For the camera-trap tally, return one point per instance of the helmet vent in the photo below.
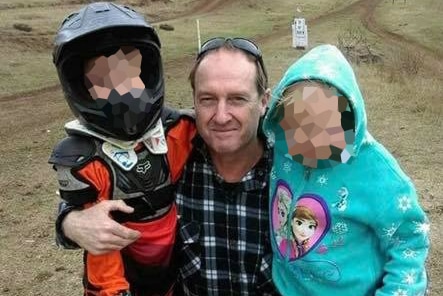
(69, 17)
(100, 7)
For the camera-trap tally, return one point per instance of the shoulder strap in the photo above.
(73, 151)
(171, 117)
(179, 138)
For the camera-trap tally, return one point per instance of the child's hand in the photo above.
(94, 230)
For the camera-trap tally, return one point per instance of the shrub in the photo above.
(402, 63)
(354, 44)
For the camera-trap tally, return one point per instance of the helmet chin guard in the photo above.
(101, 29)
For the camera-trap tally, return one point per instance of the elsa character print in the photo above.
(283, 203)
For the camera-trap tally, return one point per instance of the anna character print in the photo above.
(298, 226)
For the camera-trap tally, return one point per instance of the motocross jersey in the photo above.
(91, 168)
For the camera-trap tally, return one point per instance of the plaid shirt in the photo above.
(223, 236)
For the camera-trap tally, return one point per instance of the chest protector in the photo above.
(92, 167)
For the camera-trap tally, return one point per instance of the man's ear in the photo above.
(265, 101)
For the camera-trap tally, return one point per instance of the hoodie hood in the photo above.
(325, 64)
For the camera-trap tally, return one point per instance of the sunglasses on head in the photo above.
(240, 43)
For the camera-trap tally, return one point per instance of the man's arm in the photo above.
(94, 230)
(82, 180)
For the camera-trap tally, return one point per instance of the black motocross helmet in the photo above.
(102, 28)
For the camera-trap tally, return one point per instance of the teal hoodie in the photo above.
(371, 235)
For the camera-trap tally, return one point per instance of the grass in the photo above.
(404, 118)
(21, 58)
(416, 20)
(403, 113)
(26, 56)
(251, 19)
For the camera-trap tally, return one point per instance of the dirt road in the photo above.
(28, 265)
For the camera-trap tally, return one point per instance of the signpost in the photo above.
(299, 33)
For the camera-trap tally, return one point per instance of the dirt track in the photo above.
(38, 100)
(365, 10)
(203, 7)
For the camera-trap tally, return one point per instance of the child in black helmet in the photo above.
(109, 64)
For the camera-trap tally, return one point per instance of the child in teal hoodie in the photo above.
(344, 217)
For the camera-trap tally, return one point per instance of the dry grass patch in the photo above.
(415, 20)
(32, 124)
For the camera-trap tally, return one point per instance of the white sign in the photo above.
(299, 33)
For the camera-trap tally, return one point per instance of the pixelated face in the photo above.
(119, 71)
(303, 229)
(312, 121)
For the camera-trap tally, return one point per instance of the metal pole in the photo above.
(198, 34)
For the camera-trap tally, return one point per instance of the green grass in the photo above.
(30, 72)
(26, 69)
(26, 56)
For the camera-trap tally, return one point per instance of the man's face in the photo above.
(312, 121)
(227, 104)
(120, 71)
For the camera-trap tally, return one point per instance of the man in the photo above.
(222, 195)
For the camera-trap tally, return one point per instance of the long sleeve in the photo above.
(403, 229)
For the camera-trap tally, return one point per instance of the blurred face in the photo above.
(120, 71)
(227, 104)
(312, 121)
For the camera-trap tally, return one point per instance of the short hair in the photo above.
(261, 80)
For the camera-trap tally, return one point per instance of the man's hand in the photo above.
(94, 230)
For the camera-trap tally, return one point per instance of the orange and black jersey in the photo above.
(91, 169)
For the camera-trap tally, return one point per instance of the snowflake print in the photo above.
(322, 180)
(389, 232)
(409, 278)
(404, 203)
(422, 227)
(400, 292)
(287, 167)
(273, 174)
(340, 228)
(409, 254)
